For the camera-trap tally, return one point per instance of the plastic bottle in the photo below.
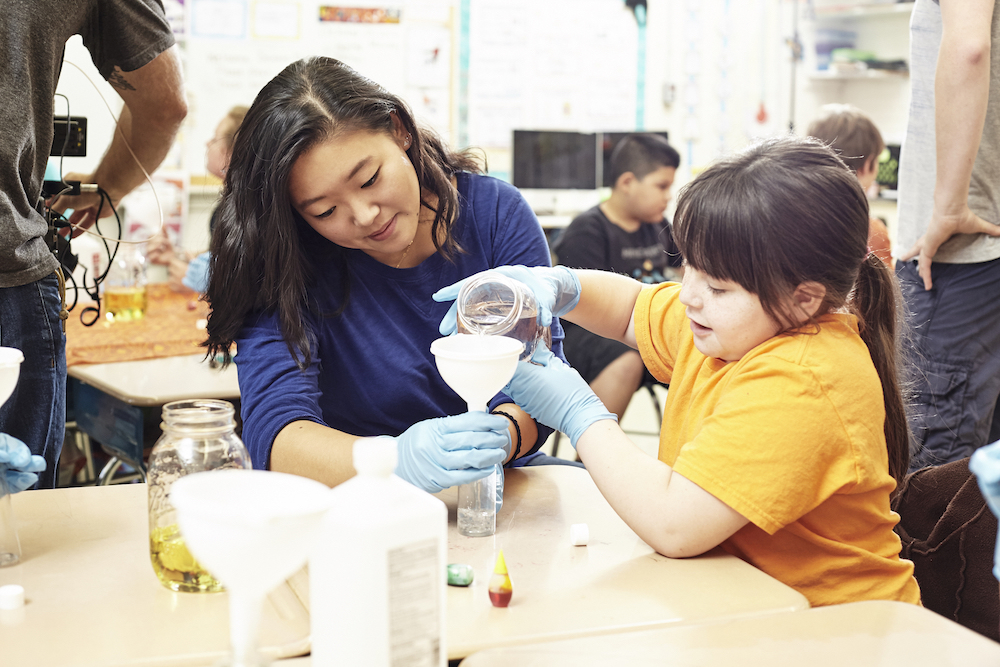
(377, 575)
(197, 435)
(124, 287)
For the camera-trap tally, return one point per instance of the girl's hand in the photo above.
(160, 250)
(553, 392)
(556, 289)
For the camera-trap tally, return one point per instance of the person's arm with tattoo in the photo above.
(154, 108)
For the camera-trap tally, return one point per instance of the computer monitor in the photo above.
(555, 160)
(888, 167)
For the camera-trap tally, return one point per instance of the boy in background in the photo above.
(854, 137)
(626, 234)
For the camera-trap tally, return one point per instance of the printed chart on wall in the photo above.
(234, 47)
(553, 65)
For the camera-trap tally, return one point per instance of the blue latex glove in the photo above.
(196, 277)
(553, 392)
(556, 289)
(985, 465)
(18, 463)
(436, 454)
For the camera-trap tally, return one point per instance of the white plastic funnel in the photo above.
(249, 528)
(476, 367)
(10, 369)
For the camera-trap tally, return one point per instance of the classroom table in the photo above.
(116, 403)
(615, 583)
(120, 373)
(875, 633)
(87, 578)
(92, 598)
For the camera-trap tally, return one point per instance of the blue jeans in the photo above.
(36, 411)
(955, 331)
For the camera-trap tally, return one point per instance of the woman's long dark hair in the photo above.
(789, 211)
(263, 253)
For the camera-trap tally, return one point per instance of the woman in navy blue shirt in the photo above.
(340, 218)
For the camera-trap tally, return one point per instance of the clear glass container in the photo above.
(125, 285)
(198, 435)
(493, 304)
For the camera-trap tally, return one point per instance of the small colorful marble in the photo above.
(460, 574)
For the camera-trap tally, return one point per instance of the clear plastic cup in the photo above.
(10, 545)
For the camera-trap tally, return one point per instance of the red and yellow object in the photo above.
(500, 588)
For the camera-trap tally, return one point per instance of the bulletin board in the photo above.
(474, 70)
(552, 65)
(232, 48)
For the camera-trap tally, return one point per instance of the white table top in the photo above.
(561, 591)
(92, 597)
(860, 634)
(158, 381)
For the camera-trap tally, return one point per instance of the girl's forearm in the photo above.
(669, 512)
(607, 301)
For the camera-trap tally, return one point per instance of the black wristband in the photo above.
(517, 450)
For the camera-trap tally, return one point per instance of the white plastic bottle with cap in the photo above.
(377, 578)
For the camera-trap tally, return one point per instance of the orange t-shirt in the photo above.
(791, 437)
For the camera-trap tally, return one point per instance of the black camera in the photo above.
(70, 137)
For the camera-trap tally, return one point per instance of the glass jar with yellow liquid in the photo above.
(198, 435)
(124, 287)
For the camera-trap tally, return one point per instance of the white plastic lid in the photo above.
(11, 596)
(11, 356)
(375, 456)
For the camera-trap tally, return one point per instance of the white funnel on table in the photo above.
(476, 367)
(251, 529)
(10, 369)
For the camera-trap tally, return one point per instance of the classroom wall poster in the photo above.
(219, 18)
(337, 14)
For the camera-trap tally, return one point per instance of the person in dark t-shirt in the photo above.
(132, 46)
(626, 234)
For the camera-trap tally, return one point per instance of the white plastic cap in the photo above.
(375, 456)
(11, 596)
(579, 534)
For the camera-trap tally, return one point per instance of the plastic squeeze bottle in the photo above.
(377, 575)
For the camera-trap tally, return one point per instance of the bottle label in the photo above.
(415, 572)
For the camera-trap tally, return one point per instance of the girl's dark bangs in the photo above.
(708, 232)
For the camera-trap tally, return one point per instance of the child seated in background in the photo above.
(784, 431)
(854, 137)
(187, 269)
(626, 234)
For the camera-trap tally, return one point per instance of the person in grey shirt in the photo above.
(949, 212)
(133, 47)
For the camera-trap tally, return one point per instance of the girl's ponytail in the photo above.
(878, 304)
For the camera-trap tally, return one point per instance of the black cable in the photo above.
(94, 293)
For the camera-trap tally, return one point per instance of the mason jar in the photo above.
(198, 435)
(494, 304)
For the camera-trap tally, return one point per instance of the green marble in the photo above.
(460, 574)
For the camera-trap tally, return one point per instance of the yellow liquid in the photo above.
(126, 304)
(174, 565)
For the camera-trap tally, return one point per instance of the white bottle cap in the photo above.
(11, 596)
(579, 534)
(375, 456)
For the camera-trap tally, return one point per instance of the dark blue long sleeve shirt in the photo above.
(372, 372)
